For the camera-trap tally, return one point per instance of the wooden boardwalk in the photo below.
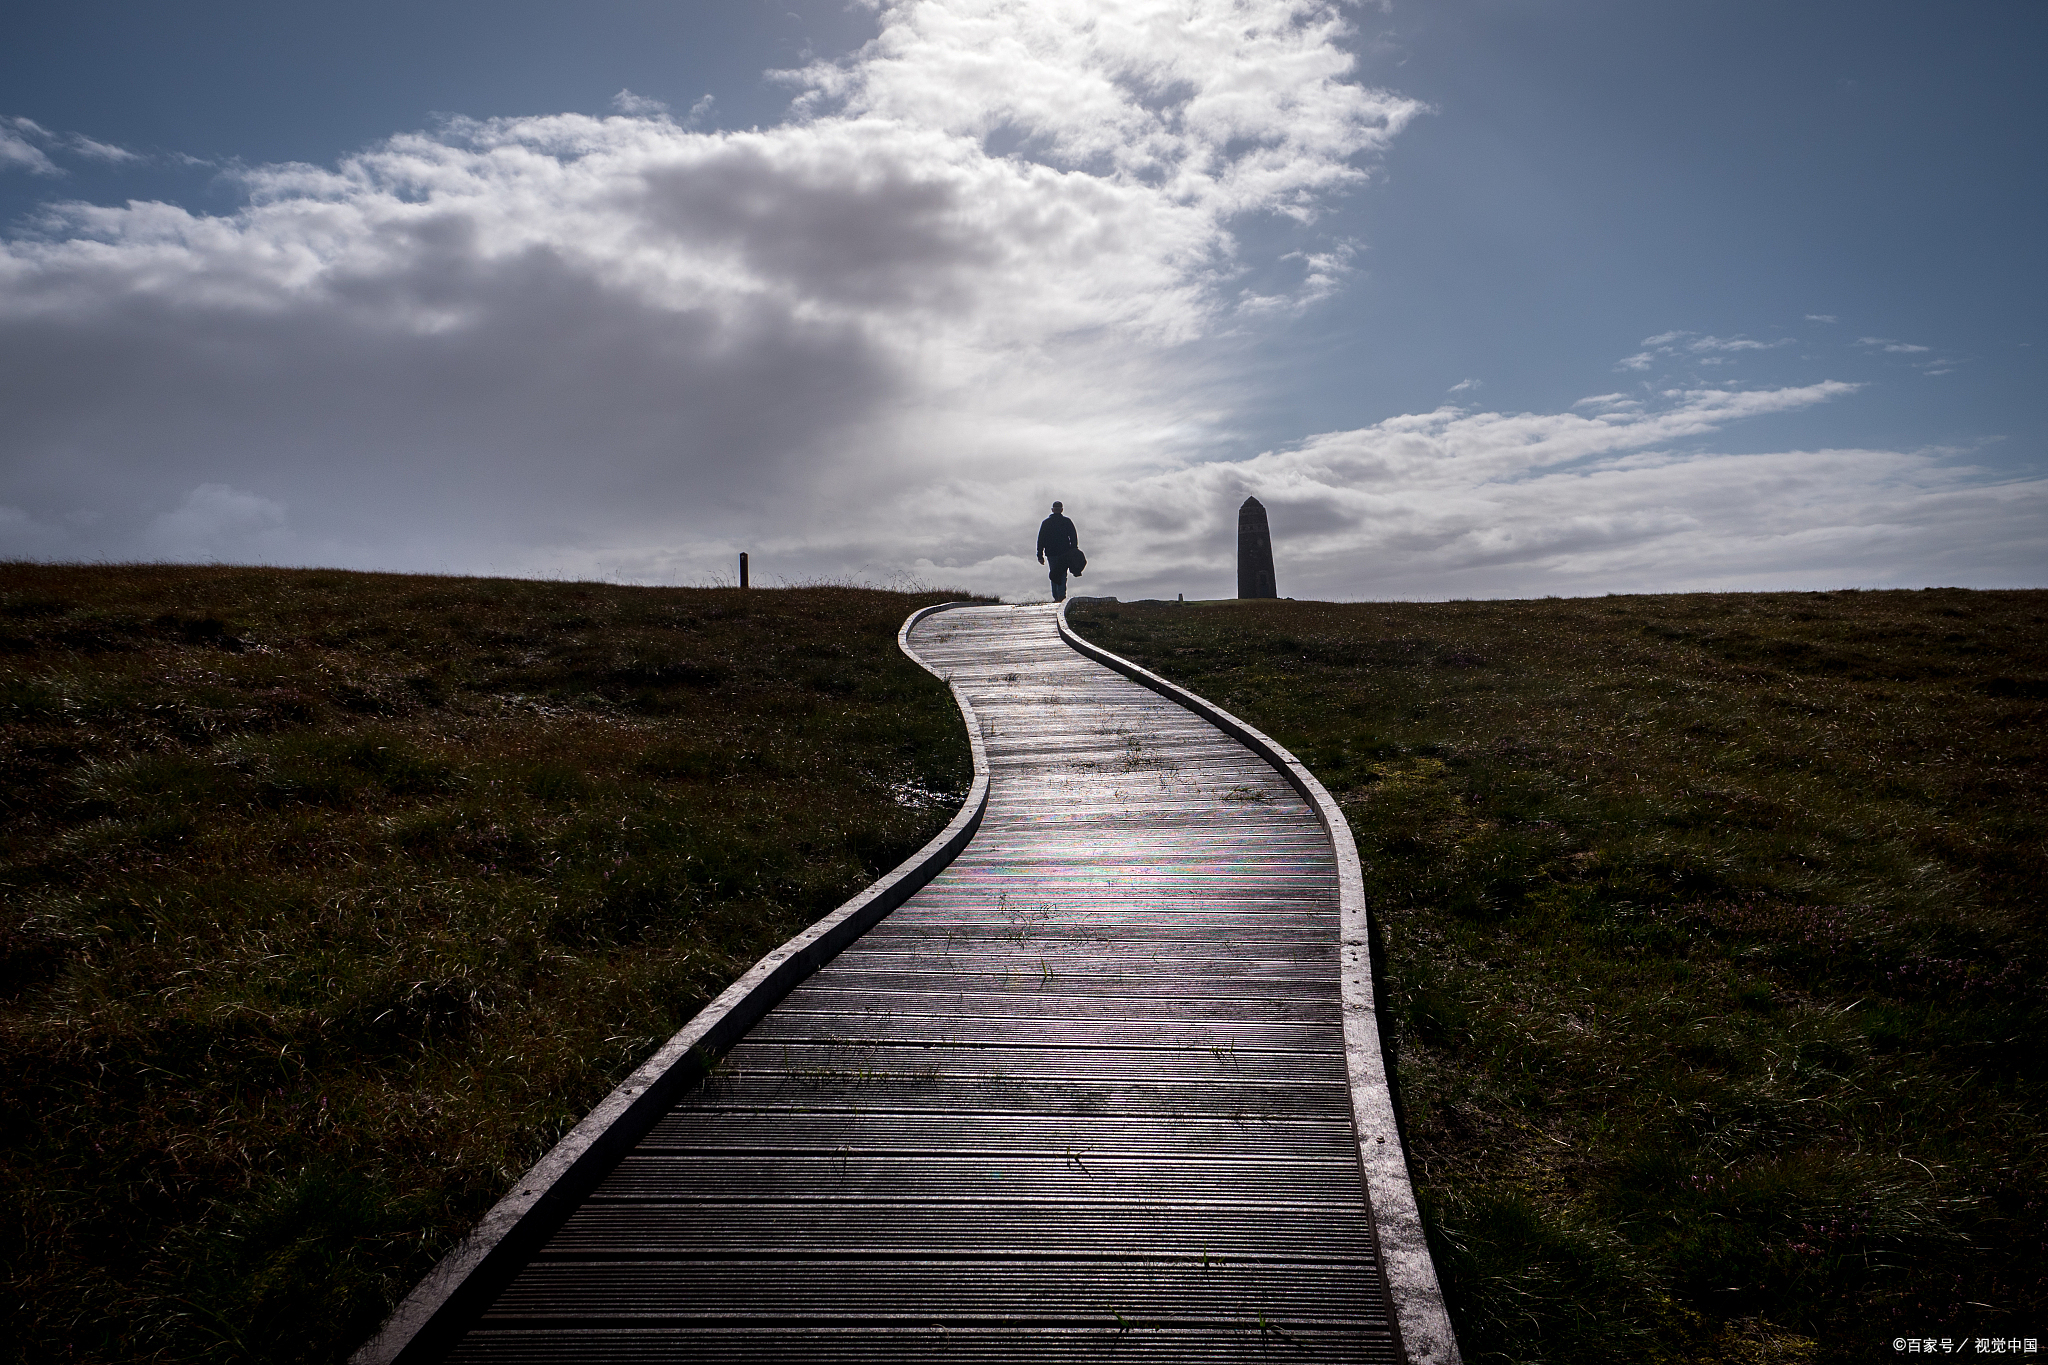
(1081, 1097)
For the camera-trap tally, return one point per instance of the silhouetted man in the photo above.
(1056, 540)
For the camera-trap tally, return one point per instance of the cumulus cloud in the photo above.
(619, 344)
(975, 270)
(1229, 106)
(1452, 503)
(639, 106)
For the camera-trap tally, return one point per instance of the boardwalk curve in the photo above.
(1093, 1090)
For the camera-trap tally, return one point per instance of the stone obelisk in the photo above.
(1254, 552)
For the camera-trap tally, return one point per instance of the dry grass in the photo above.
(1714, 944)
(332, 900)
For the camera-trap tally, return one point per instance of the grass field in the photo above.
(333, 900)
(1711, 926)
(1714, 946)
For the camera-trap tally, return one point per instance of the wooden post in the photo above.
(743, 568)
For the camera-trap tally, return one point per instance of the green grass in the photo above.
(333, 900)
(1713, 943)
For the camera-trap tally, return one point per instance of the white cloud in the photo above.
(1464, 386)
(1712, 343)
(1323, 273)
(1234, 107)
(1703, 349)
(975, 271)
(1490, 504)
(1891, 347)
(18, 152)
(22, 141)
(618, 344)
(639, 106)
(99, 151)
(1822, 317)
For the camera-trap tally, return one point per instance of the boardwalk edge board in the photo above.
(1422, 1326)
(432, 1317)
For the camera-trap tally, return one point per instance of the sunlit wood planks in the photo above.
(1082, 1095)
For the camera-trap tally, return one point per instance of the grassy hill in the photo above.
(1714, 942)
(1712, 926)
(332, 900)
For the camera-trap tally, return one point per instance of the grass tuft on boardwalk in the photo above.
(1714, 946)
(333, 900)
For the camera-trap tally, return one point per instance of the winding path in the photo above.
(1090, 1093)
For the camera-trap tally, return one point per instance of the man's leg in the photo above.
(1059, 582)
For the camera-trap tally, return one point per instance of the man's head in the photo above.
(1056, 508)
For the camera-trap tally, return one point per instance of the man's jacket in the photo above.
(1056, 539)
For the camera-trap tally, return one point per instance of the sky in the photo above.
(1481, 298)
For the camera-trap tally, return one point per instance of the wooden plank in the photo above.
(958, 999)
(997, 1231)
(1123, 1339)
(708, 1128)
(1095, 1067)
(849, 1291)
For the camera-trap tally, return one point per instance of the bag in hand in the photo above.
(1076, 561)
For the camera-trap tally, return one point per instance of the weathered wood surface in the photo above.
(1082, 1097)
